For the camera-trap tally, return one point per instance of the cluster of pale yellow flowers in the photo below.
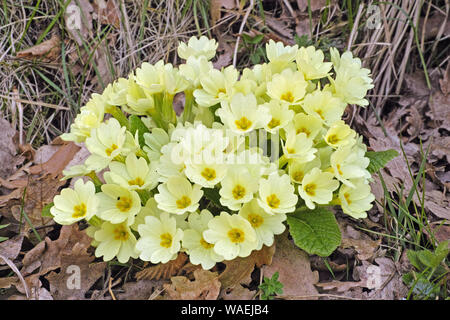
(197, 182)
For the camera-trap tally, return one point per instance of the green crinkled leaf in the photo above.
(315, 231)
(46, 210)
(136, 124)
(379, 159)
(213, 195)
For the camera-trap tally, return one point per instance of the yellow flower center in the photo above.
(236, 235)
(338, 167)
(320, 113)
(333, 139)
(166, 240)
(255, 220)
(120, 233)
(273, 201)
(273, 123)
(290, 150)
(243, 123)
(298, 176)
(219, 91)
(238, 192)
(287, 96)
(347, 198)
(136, 182)
(209, 174)
(183, 202)
(304, 130)
(206, 244)
(310, 189)
(79, 211)
(124, 204)
(111, 149)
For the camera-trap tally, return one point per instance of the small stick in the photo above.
(241, 29)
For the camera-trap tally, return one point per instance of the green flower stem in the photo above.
(95, 221)
(119, 116)
(94, 179)
(282, 161)
(168, 113)
(188, 103)
(158, 113)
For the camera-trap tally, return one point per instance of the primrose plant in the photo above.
(251, 153)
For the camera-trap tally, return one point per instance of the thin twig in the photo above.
(110, 290)
(36, 103)
(241, 29)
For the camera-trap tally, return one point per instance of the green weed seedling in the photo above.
(428, 280)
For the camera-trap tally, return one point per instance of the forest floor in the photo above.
(49, 70)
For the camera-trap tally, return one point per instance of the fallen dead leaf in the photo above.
(206, 286)
(216, 7)
(140, 290)
(66, 285)
(107, 12)
(237, 293)
(7, 149)
(239, 270)
(383, 280)
(11, 248)
(365, 248)
(78, 19)
(7, 282)
(314, 5)
(59, 160)
(46, 256)
(48, 50)
(445, 81)
(163, 270)
(340, 286)
(294, 269)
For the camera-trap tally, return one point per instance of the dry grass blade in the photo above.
(16, 271)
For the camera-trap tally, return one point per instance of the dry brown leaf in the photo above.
(237, 293)
(65, 285)
(78, 19)
(239, 270)
(11, 248)
(163, 270)
(216, 7)
(439, 109)
(315, 5)
(318, 263)
(48, 50)
(140, 290)
(103, 66)
(47, 254)
(366, 249)
(340, 286)
(294, 269)
(38, 193)
(59, 160)
(281, 27)
(7, 149)
(437, 202)
(206, 286)
(107, 11)
(440, 233)
(383, 280)
(7, 282)
(445, 81)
